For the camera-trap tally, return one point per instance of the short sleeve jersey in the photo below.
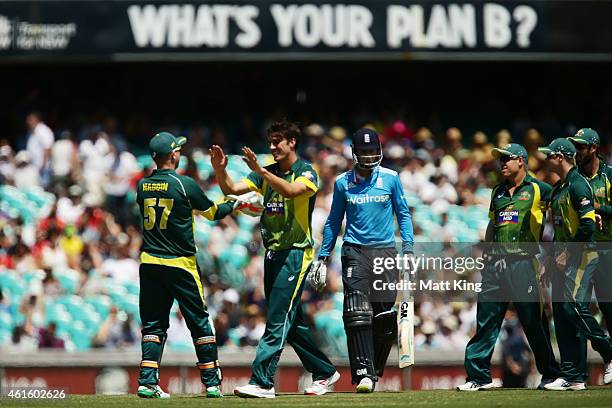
(571, 201)
(286, 222)
(167, 202)
(518, 218)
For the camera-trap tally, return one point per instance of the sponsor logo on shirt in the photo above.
(584, 201)
(508, 217)
(600, 192)
(275, 208)
(524, 196)
(367, 199)
(308, 174)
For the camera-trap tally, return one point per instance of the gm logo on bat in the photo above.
(403, 310)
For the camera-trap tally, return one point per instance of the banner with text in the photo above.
(258, 29)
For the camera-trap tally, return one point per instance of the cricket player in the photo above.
(168, 267)
(516, 217)
(288, 187)
(369, 195)
(599, 175)
(574, 222)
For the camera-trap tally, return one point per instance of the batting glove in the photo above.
(317, 276)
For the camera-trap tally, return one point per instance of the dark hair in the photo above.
(286, 129)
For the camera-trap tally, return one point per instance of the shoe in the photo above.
(474, 386)
(214, 392)
(608, 373)
(254, 391)
(366, 385)
(151, 391)
(562, 385)
(320, 387)
(544, 382)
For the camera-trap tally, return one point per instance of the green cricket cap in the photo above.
(585, 136)
(512, 150)
(559, 146)
(165, 143)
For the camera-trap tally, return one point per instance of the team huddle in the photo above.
(168, 202)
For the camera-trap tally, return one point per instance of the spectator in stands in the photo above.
(64, 160)
(47, 337)
(516, 357)
(117, 331)
(27, 175)
(70, 208)
(40, 141)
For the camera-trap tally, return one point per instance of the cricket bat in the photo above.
(405, 331)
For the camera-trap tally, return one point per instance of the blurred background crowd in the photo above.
(70, 231)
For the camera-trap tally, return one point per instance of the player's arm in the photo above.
(334, 221)
(489, 234)
(606, 210)
(404, 219)
(281, 186)
(581, 197)
(203, 205)
(218, 159)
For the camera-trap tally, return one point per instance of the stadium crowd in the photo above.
(70, 240)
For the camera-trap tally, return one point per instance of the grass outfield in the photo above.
(594, 397)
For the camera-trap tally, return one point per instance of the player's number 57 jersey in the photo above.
(167, 202)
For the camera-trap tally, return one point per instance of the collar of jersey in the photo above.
(294, 167)
(358, 179)
(163, 171)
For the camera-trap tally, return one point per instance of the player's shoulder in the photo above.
(341, 179)
(305, 169)
(541, 185)
(578, 184)
(497, 188)
(387, 171)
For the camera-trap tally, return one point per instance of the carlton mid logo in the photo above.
(366, 199)
(508, 217)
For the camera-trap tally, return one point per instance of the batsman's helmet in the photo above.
(367, 150)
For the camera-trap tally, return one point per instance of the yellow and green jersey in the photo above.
(167, 203)
(572, 201)
(285, 222)
(600, 183)
(518, 218)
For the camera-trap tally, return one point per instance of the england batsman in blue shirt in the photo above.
(369, 195)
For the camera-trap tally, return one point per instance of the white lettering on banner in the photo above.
(527, 18)
(184, 26)
(23, 35)
(448, 26)
(497, 32)
(334, 26)
(454, 26)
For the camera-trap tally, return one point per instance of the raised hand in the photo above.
(250, 158)
(218, 159)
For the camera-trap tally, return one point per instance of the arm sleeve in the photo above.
(254, 181)
(202, 204)
(491, 210)
(402, 212)
(606, 210)
(334, 221)
(310, 179)
(581, 197)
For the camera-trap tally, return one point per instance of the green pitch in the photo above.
(594, 397)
